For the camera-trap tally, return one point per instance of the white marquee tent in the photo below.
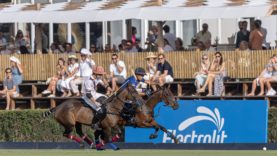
(155, 10)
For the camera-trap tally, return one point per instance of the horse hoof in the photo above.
(116, 149)
(153, 136)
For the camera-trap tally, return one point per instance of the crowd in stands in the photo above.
(253, 39)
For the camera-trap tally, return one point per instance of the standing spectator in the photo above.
(134, 32)
(264, 32)
(216, 73)
(242, 34)
(17, 71)
(10, 88)
(256, 37)
(71, 72)
(167, 47)
(179, 45)
(52, 82)
(86, 70)
(151, 66)
(164, 73)
(201, 76)
(171, 38)
(20, 39)
(204, 36)
(118, 72)
(244, 46)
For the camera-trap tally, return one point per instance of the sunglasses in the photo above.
(204, 58)
(217, 56)
(8, 72)
(83, 55)
(114, 58)
(161, 58)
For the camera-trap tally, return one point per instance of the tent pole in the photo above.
(104, 34)
(51, 34)
(219, 23)
(124, 29)
(69, 33)
(33, 33)
(87, 35)
(144, 31)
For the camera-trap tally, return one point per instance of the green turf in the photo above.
(134, 153)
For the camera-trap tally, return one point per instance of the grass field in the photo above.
(134, 153)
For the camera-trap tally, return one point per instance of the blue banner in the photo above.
(208, 121)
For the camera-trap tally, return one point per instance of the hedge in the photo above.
(30, 126)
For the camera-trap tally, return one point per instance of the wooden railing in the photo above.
(240, 64)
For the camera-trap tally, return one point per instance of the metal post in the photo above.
(51, 34)
(33, 33)
(124, 29)
(69, 35)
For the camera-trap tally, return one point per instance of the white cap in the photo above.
(84, 51)
(14, 59)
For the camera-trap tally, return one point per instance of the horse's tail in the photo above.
(49, 112)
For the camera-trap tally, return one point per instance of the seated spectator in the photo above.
(216, 74)
(55, 48)
(260, 80)
(17, 71)
(118, 72)
(164, 73)
(200, 45)
(243, 46)
(72, 72)
(68, 48)
(179, 44)
(10, 88)
(268, 81)
(93, 49)
(52, 82)
(151, 66)
(167, 47)
(131, 47)
(86, 67)
(20, 40)
(201, 76)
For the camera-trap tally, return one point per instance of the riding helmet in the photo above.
(139, 71)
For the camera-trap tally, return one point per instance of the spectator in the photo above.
(268, 81)
(93, 49)
(201, 46)
(244, 46)
(17, 71)
(208, 47)
(260, 80)
(167, 47)
(242, 34)
(68, 48)
(264, 32)
(151, 66)
(164, 73)
(201, 76)
(134, 32)
(256, 37)
(20, 40)
(10, 88)
(72, 72)
(118, 72)
(3, 40)
(86, 70)
(3, 48)
(52, 82)
(137, 45)
(131, 47)
(179, 44)
(204, 36)
(171, 38)
(216, 73)
(55, 48)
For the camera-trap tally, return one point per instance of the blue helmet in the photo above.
(139, 71)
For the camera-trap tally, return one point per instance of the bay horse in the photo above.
(73, 114)
(144, 118)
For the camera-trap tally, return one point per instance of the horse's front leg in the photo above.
(170, 134)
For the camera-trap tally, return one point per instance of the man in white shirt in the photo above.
(118, 72)
(171, 38)
(204, 35)
(86, 69)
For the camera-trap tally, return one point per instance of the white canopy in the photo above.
(69, 12)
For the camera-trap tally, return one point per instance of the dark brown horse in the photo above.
(73, 114)
(144, 118)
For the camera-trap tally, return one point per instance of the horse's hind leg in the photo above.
(79, 131)
(155, 135)
(67, 133)
(171, 135)
(108, 138)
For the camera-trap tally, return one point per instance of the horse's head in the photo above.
(168, 97)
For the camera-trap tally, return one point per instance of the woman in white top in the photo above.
(151, 66)
(201, 76)
(72, 72)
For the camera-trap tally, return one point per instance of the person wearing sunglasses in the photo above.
(201, 76)
(10, 88)
(164, 73)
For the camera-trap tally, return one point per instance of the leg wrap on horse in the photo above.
(115, 138)
(99, 145)
(72, 137)
(87, 140)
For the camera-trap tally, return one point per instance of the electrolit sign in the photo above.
(206, 121)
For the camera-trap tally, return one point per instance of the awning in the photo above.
(155, 10)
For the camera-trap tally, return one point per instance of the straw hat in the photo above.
(14, 59)
(84, 51)
(72, 57)
(99, 70)
(151, 55)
